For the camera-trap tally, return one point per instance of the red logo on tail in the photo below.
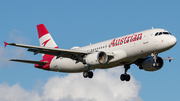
(45, 42)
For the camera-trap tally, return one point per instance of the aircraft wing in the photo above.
(73, 54)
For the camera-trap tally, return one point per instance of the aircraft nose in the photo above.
(172, 41)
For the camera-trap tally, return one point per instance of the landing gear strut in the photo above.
(88, 73)
(154, 55)
(125, 76)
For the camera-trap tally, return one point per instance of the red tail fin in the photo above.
(45, 39)
(42, 30)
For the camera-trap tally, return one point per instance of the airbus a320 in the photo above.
(139, 48)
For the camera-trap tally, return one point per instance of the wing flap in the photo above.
(29, 61)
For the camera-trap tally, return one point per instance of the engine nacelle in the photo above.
(96, 58)
(147, 64)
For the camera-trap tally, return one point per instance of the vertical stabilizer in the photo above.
(45, 38)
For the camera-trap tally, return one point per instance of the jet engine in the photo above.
(96, 58)
(147, 64)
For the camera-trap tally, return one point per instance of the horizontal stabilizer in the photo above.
(168, 59)
(29, 61)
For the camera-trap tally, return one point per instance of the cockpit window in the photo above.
(162, 33)
(156, 34)
(165, 33)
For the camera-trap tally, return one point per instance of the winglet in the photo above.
(5, 44)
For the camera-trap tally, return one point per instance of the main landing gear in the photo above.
(125, 76)
(88, 73)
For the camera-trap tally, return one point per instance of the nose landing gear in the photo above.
(154, 55)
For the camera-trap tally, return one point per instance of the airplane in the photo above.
(139, 48)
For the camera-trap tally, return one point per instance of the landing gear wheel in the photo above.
(85, 74)
(122, 77)
(126, 77)
(88, 74)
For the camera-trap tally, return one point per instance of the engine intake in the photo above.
(96, 58)
(147, 64)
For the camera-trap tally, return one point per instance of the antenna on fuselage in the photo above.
(152, 27)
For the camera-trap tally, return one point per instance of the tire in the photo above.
(85, 74)
(128, 77)
(90, 74)
(122, 77)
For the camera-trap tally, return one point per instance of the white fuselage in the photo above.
(125, 50)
